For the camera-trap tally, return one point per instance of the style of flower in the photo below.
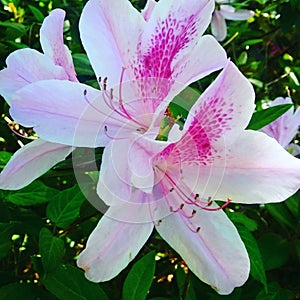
(173, 185)
(285, 128)
(141, 61)
(225, 11)
(24, 67)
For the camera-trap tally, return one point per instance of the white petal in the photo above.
(26, 66)
(218, 26)
(52, 42)
(30, 162)
(256, 169)
(110, 40)
(65, 112)
(216, 254)
(147, 11)
(110, 248)
(230, 13)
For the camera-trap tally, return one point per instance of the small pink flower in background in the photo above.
(225, 11)
(286, 127)
(24, 67)
(173, 185)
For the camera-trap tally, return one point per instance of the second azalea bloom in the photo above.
(172, 186)
(223, 12)
(285, 128)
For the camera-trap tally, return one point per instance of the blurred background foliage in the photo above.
(44, 226)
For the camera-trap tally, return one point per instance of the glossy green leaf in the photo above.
(37, 13)
(263, 117)
(5, 244)
(82, 64)
(33, 194)
(4, 158)
(274, 250)
(281, 214)
(65, 207)
(68, 282)
(52, 250)
(139, 279)
(237, 217)
(257, 269)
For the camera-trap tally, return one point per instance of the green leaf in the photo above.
(15, 29)
(275, 292)
(274, 250)
(4, 158)
(280, 213)
(237, 217)
(52, 250)
(68, 282)
(65, 207)
(37, 13)
(139, 279)
(263, 117)
(33, 194)
(28, 291)
(82, 65)
(257, 269)
(185, 286)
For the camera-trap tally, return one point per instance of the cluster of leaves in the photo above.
(44, 226)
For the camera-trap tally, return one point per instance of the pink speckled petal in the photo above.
(52, 41)
(216, 254)
(170, 34)
(30, 162)
(255, 169)
(26, 66)
(109, 31)
(223, 110)
(111, 247)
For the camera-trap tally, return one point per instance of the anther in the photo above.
(193, 212)
(171, 189)
(84, 92)
(196, 196)
(209, 201)
(198, 229)
(105, 83)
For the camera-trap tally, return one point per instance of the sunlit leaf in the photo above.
(65, 207)
(52, 250)
(263, 117)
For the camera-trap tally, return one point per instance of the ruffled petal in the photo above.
(210, 245)
(111, 246)
(26, 66)
(65, 112)
(30, 162)
(110, 40)
(52, 42)
(255, 169)
(218, 26)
